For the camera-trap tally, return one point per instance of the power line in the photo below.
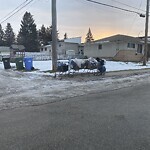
(13, 10)
(135, 18)
(129, 5)
(115, 7)
(11, 15)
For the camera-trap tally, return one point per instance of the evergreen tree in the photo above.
(9, 36)
(49, 33)
(28, 33)
(42, 35)
(45, 35)
(89, 36)
(1, 36)
(65, 36)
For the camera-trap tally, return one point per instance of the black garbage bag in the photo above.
(61, 67)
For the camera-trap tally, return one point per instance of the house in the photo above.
(117, 47)
(46, 49)
(148, 44)
(63, 46)
(4, 51)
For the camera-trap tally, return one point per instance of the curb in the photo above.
(112, 74)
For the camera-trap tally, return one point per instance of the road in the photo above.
(112, 120)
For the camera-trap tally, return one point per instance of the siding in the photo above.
(108, 50)
(128, 55)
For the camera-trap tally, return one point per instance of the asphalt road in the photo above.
(114, 120)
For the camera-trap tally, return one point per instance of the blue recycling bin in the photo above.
(28, 63)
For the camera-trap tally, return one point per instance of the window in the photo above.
(139, 49)
(131, 45)
(45, 48)
(100, 46)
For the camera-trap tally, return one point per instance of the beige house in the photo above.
(117, 47)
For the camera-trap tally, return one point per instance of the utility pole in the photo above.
(54, 36)
(146, 34)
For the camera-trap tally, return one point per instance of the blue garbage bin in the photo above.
(28, 63)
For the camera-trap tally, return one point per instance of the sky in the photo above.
(75, 17)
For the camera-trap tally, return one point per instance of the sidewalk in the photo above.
(128, 72)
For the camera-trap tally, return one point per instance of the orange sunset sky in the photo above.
(74, 17)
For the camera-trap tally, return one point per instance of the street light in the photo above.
(142, 15)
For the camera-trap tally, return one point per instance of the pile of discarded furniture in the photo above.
(91, 65)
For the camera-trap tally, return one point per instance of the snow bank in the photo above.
(19, 89)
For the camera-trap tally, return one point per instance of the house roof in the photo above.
(119, 37)
(17, 47)
(73, 40)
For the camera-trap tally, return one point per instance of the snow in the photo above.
(22, 88)
(117, 66)
(110, 65)
(42, 66)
